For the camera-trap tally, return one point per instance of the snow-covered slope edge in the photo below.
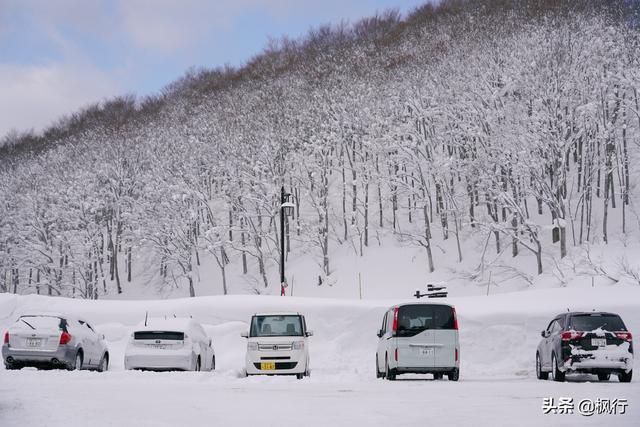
(498, 333)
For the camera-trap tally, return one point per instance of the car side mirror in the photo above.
(543, 334)
(380, 333)
(309, 333)
(244, 334)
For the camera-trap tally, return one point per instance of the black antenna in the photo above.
(146, 314)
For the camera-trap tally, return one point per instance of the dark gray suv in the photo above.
(585, 342)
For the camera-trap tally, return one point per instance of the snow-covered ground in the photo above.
(498, 335)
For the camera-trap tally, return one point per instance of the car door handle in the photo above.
(424, 345)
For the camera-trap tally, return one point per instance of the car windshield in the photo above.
(589, 322)
(274, 326)
(41, 322)
(415, 318)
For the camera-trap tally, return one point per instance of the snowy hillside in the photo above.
(487, 144)
(498, 338)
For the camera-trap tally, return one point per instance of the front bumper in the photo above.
(286, 362)
(64, 356)
(169, 360)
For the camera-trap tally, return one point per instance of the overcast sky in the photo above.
(59, 55)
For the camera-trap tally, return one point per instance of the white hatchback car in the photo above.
(170, 344)
(419, 338)
(277, 344)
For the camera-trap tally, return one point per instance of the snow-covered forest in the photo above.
(505, 134)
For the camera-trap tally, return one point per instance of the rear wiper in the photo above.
(28, 324)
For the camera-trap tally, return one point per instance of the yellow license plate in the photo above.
(267, 366)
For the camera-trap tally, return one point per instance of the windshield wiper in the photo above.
(28, 324)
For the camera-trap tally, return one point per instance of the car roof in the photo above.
(177, 324)
(592, 312)
(278, 313)
(422, 303)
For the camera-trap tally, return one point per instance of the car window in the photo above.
(389, 320)
(555, 327)
(273, 326)
(158, 335)
(43, 322)
(383, 328)
(550, 326)
(415, 318)
(591, 321)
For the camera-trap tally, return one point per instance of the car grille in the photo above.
(275, 358)
(280, 365)
(275, 347)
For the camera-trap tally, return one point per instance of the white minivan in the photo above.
(420, 338)
(277, 344)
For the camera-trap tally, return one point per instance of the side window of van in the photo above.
(383, 328)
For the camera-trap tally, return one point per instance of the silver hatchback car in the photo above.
(54, 341)
(419, 338)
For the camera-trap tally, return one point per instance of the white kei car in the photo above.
(170, 344)
(277, 344)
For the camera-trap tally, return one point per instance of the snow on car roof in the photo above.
(168, 323)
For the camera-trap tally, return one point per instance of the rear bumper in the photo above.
(183, 360)
(424, 370)
(62, 357)
(598, 366)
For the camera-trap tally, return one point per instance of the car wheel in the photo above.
(557, 374)
(389, 374)
(378, 373)
(625, 377)
(12, 367)
(454, 375)
(437, 376)
(539, 374)
(213, 363)
(300, 375)
(77, 362)
(197, 369)
(104, 363)
(604, 377)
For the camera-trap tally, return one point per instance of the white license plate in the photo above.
(34, 342)
(598, 342)
(426, 351)
(158, 346)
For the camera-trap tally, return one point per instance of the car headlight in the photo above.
(298, 345)
(252, 346)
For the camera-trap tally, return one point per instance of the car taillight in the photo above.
(65, 338)
(6, 337)
(622, 335)
(571, 335)
(395, 319)
(455, 319)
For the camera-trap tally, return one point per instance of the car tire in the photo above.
(389, 374)
(438, 375)
(625, 377)
(213, 363)
(300, 375)
(198, 364)
(604, 377)
(378, 373)
(104, 363)
(12, 367)
(557, 374)
(77, 362)
(454, 375)
(539, 373)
